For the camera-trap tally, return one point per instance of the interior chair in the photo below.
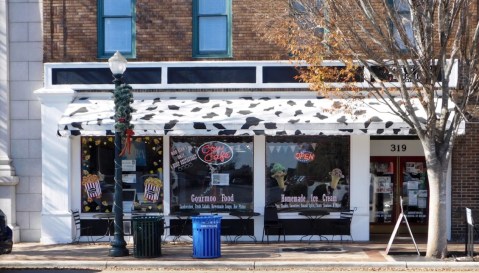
(79, 229)
(272, 223)
(342, 226)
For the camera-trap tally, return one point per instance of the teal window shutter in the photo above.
(116, 28)
(212, 28)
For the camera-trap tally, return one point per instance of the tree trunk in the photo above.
(437, 228)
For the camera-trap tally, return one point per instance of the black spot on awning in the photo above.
(270, 125)
(389, 124)
(173, 107)
(251, 121)
(269, 109)
(170, 124)
(253, 105)
(227, 133)
(244, 112)
(210, 115)
(342, 120)
(320, 116)
(380, 131)
(259, 132)
(291, 103)
(364, 130)
(309, 104)
(396, 131)
(151, 108)
(346, 130)
(79, 110)
(298, 133)
(147, 117)
(199, 125)
(247, 98)
(298, 112)
(196, 109)
(359, 112)
(293, 121)
(228, 112)
(75, 132)
(278, 113)
(77, 125)
(219, 126)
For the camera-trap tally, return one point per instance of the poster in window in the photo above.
(220, 179)
(306, 172)
(384, 184)
(211, 173)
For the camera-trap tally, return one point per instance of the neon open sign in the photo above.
(304, 156)
(215, 152)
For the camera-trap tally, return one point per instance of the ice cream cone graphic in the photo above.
(336, 175)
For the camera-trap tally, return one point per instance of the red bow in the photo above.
(129, 133)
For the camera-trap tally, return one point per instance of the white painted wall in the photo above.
(56, 221)
(360, 153)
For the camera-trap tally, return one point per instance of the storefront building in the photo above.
(217, 130)
(226, 151)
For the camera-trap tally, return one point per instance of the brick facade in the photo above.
(465, 176)
(163, 34)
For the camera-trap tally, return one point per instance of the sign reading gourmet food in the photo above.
(215, 153)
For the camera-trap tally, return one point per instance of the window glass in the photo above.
(211, 174)
(116, 27)
(213, 34)
(307, 172)
(142, 174)
(117, 7)
(117, 35)
(212, 28)
(404, 13)
(212, 7)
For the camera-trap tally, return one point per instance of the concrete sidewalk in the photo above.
(240, 256)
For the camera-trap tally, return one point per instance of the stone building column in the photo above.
(8, 180)
(56, 222)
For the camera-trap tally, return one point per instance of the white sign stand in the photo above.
(401, 217)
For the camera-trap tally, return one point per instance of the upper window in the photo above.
(402, 9)
(116, 27)
(212, 28)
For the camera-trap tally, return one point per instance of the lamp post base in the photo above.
(118, 249)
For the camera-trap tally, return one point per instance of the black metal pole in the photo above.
(118, 245)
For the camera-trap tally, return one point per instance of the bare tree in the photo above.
(411, 51)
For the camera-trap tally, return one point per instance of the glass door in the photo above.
(393, 178)
(414, 189)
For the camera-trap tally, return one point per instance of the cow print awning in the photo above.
(273, 115)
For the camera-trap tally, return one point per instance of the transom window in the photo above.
(116, 27)
(212, 28)
(401, 7)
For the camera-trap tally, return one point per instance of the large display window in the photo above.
(142, 174)
(211, 174)
(305, 172)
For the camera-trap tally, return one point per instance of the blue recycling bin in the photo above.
(206, 236)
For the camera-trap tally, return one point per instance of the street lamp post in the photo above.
(118, 246)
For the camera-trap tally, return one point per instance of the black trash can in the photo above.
(6, 235)
(206, 236)
(147, 232)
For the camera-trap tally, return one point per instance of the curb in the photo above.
(102, 265)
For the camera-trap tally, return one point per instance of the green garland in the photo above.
(123, 98)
